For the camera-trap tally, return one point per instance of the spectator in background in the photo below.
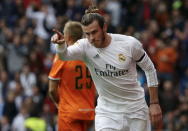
(58, 4)
(166, 58)
(108, 19)
(5, 124)
(43, 84)
(72, 11)
(182, 36)
(182, 117)
(161, 14)
(2, 57)
(4, 82)
(35, 60)
(44, 17)
(11, 11)
(9, 108)
(149, 39)
(169, 96)
(114, 7)
(19, 95)
(37, 97)
(35, 122)
(19, 120)
(48, 116)
(15, 54)
(184, 83)
(28, 80)
(26, 3)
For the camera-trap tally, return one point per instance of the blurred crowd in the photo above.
(26, 54)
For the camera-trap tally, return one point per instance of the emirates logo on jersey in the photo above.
(121, 57)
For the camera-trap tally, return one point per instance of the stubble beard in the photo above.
(102, 41)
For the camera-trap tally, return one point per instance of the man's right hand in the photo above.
(57, 38)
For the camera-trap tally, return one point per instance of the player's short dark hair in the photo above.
(92, 14)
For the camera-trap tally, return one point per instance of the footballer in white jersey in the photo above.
(112, 59)
(113, 71)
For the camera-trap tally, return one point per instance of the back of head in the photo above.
(74, 30)
(92, 14)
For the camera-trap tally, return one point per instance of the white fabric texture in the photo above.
(123, 122)
(150, 71)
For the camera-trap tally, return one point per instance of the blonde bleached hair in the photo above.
(74, 30)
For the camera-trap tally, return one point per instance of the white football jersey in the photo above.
(113, 71)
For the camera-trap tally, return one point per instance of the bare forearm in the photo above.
(155, 109)
(54, 98)
(153, 91)
(53, 93)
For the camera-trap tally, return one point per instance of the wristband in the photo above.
(154, 103)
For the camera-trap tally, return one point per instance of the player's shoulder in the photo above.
(128, 40)
(82, 41)
(123, 38)
(84, 44)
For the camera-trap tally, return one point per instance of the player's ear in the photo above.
(70, 39)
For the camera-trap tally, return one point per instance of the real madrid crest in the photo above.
(121, 57)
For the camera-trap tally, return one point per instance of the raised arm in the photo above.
(73, 52)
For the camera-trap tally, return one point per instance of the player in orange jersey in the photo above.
(71, 87)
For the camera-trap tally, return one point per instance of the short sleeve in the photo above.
(56, 69)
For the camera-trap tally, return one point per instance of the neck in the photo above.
(107, 40)
(70, 42)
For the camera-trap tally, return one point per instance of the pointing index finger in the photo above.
(60, 35)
